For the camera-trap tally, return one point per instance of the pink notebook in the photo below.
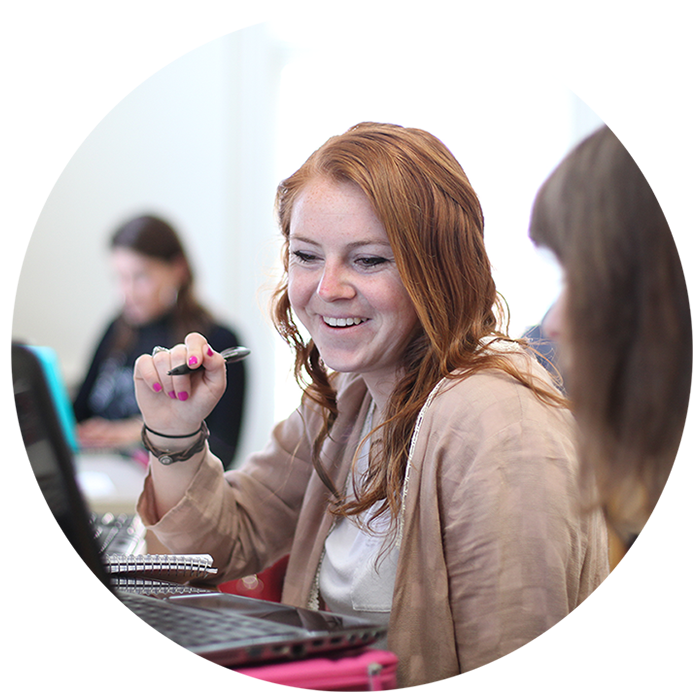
(368, 669)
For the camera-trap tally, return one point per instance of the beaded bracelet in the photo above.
(166, 458)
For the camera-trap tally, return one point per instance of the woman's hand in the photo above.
(177, 405)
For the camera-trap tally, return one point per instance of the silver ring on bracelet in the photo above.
(158, 349)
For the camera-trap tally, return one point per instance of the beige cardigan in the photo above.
(494, 547)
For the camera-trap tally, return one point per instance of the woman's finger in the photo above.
(210, 364)
(145, 370)
(197, 347)
(177, 388)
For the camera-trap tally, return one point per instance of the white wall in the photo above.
(648, 58)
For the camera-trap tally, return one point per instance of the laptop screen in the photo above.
(50, 455)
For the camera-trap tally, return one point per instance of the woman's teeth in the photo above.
(343, 321)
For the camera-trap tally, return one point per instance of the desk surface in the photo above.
(110, 482)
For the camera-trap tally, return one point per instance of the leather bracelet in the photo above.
(165, 457)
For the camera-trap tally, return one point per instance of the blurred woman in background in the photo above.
(159, 307)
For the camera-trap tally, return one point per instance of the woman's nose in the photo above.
(335, 283)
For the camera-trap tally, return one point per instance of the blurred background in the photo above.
(204, 142)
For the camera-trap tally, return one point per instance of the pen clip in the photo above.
(235, 353)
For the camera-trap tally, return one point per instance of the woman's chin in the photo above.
(132, 319)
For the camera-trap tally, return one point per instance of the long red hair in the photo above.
(435, 226)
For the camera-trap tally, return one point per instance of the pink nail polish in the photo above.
(183, 396)
(157, 387)
(172, 395)
(193, 360)
(209, 351)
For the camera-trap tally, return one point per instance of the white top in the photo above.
(358, 570)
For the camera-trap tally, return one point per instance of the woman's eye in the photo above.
(371, 261)
(303, 256)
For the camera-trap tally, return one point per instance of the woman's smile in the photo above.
(343, 322)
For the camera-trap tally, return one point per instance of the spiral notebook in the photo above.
(94, 630)
(173, 568)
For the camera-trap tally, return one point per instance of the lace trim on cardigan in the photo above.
(414, 438)
(314, 602)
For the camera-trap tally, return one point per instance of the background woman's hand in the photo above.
(177, 405)
(114, 434)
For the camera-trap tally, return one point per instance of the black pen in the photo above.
(231, 355)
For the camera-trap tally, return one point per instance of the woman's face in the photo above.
(148, 286)
(555, 328)
(344, 286)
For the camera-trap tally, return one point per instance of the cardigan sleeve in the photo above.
(244, 518)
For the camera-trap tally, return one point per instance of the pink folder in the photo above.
(368, 669)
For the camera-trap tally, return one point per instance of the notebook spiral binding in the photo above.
(175, 568)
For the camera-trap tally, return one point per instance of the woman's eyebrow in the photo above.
(354, 244)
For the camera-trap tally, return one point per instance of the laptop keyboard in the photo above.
(155, 587)
(194, 628)
(122, 533)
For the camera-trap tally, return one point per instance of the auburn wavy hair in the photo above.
(628, 325)
(435, 226)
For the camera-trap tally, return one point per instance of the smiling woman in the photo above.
(428, 480)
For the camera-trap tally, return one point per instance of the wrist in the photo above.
(169, 449)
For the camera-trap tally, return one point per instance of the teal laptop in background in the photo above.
(59, 393)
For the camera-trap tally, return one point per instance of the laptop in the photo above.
(121, 533)
(59, 393)
(73, 624)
